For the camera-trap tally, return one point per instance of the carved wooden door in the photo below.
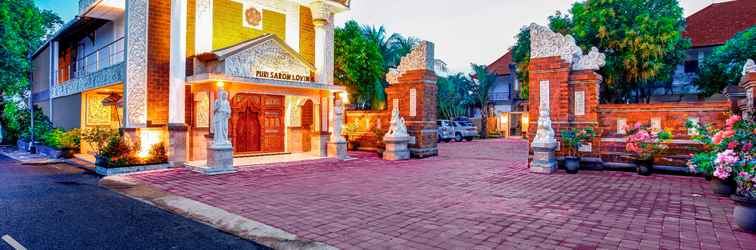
(273, 124)
(307, 121)
(248, 131)
(257, 123)
(245, 123)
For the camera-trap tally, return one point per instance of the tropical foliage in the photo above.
(642, 41)
(23, 28)
(724, 67)
(484, 80)
(363, 56)
(574, 138)
(453, 97)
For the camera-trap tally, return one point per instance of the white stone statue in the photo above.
(338, 120)
(749, 67)
(221, 114)
(398, 127)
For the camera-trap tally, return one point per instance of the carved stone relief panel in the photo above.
(137, 13)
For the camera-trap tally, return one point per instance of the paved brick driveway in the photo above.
(477, 195)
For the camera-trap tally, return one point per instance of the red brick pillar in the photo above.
(415, 93)
(583, 106)
(158, 62)
(556, 72)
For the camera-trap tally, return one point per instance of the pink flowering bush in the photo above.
(647, 142)
(728, 153)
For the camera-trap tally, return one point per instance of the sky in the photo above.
(464, 32)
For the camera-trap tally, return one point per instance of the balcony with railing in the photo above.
(102, 67)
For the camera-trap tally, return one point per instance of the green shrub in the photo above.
(99, 138)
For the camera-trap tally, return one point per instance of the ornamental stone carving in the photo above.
(392, 77)
(420, 58)
(137, 12)
(594, 60)
(546, 43)
(749, 67)
(268, 56)
(107, 76)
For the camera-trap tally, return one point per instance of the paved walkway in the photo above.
(477, 195)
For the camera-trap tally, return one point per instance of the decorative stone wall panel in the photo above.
(105, 77)
(137, 14)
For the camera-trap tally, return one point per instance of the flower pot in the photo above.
(572, 164)
(101, 161)
(745, 213)
(645, 167)
(722, 187)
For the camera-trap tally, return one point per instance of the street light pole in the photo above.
(32, 148)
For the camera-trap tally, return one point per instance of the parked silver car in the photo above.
(445, 130)
(464, 130)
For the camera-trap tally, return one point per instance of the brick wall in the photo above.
(368, 121)
(158, 61)
(610, 144)
(423, 125)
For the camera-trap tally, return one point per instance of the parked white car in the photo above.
(464, 130)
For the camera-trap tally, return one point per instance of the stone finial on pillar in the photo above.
(748, 82)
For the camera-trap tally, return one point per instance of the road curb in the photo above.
(218, 218)
(35, 162)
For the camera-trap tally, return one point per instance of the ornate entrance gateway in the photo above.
(257, 122)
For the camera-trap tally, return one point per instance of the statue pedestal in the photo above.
(544, 159)
(220, 160)
(396, 148)
(338, 150)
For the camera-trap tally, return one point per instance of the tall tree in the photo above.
(481, 90)
(724, 67)
(359, 66)
(23, 28)
(642, 40)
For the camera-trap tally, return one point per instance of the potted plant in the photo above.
(645, 143)
(573, 139)
(723, 151)
(98, 139)
(745, 197)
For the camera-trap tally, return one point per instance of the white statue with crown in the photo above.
(397, 138)
(398, 127)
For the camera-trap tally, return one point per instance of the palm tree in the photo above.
(484, 81)
(453, 96)
(401, 46)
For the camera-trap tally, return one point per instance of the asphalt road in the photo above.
(61, 207)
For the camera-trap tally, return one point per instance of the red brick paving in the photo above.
(477, 195)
